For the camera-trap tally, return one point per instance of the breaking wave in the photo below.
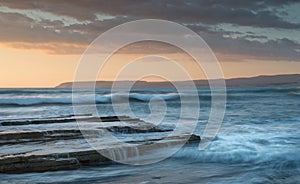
(107, 98)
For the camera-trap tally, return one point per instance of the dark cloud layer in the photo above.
(75, 24)
(253, 13)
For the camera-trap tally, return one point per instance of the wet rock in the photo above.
(24, 137)
(71, 119)
(194, 139)
(131, 130)
(62, 149)
(75, 159)
(39, 164)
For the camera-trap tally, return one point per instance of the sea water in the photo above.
(258, 142)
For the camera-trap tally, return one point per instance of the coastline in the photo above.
(42, 150)
(263, 80)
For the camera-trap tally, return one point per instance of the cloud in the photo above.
(254, 13)
(282, 49)
(67, 27)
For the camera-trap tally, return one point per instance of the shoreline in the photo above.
(42, 150)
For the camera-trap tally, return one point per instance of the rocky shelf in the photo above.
(35, 146)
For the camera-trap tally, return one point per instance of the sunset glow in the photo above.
(41, 46)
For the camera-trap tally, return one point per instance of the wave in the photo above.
(49, 91)
(279, 160)
(258, 148)
(85, 99)
(148, 97)
(294, 94)
(47, 97)
(33, 102)
(263, 90)
(33, 91)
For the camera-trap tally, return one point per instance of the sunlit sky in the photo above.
(41, 42)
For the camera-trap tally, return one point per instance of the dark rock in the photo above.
(72, 119)
(24, 137)
(194, 139)
(47, 150)
(131, 130)
(27, 164)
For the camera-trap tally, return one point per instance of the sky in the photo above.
(42, 41)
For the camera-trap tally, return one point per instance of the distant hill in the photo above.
(263, 80)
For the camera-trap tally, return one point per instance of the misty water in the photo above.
(259, 141)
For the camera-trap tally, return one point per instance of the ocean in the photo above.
(258, 142)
